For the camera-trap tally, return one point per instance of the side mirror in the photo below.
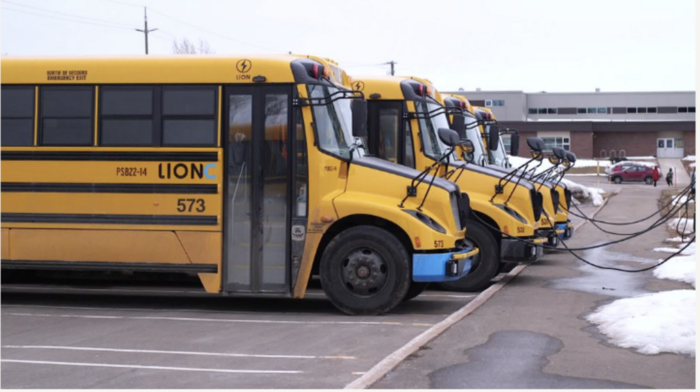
(536, 144)
(359, 118)
(514, 144)
(554, 160)
(494, 137)
(571, 157)
(458, 125)
(559, 152)
(467, 146)
(449, 137)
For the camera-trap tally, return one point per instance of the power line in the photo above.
(145, 30)
(66, 14)
(65, 19)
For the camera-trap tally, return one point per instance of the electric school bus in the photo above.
(405, 121)
(240, 171)
(555, 224)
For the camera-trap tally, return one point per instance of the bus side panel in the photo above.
(5, 244)
(204, 248)
(96, 246)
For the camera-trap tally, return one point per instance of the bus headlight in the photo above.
(428, 221)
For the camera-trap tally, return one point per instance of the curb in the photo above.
(394, 359)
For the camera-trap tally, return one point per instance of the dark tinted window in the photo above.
(66, 115)
(631, 110)
(189, 132)
(17, 116)
(189, 102)
(532, 111)
(17, 132)
(682, 110)
(17, 102)
(127, 115)
(542, 111)
(691, 109)
(641, 110)
(581, 110)
(551, 110)
(651, 110)
(126, 132)
(117, 102)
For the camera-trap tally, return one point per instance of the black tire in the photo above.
(487, 261)
(415, 289)
(617, 180)
(648, 180)
(365, 270)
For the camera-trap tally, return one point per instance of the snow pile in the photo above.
(518, 161)
(584, 194)
(677, 240)
(682, 200)
(689, 158)
(680, 268)
(683, 226)
(651, 323)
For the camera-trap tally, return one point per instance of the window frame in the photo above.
(163, 117)
(154, 117)
(34, 113)
(41, 117)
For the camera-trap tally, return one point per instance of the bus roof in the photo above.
(148, 69)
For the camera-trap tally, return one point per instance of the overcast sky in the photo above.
(533, 45)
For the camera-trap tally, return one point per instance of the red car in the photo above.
(631, 172)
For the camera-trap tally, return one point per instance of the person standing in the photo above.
(669, 177)
(656, 175)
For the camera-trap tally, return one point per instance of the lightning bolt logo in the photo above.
(359, 86)
(244, 65)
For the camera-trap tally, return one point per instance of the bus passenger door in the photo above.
(258, 198)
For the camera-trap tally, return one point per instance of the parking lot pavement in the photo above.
(170, 338)
(533, 333)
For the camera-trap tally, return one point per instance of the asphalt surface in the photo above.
(168, 338)
(533, 334)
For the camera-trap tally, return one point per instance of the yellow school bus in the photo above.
(244, 170)
(555, 223)
(405, 114)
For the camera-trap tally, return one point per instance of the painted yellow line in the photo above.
(111, 365)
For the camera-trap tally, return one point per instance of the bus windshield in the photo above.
(432, 145)
(474, 136)
(333, 123)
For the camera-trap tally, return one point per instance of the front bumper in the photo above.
(443, 267)
(516, 250)
(567, 230)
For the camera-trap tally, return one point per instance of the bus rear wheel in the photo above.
(484, 265)
(365, 270)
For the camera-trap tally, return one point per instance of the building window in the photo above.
(651, 110)
(682, 110)
(581, 111)
(592, 110)
(532, 111)
(602, 110)
(551, 110)
(691, 109)
(17, 116)
(66, 115)
(562, 142)
(506, 143)
(494, 102)
(641, 110)
(631, 110)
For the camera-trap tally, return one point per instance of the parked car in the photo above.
(631, 172)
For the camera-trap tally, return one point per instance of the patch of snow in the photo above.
(689, 158)
(651, 323)
(583, 193)
(677, 239)
(682, 200)
(682, 225)
(666, 250)
(678, 268)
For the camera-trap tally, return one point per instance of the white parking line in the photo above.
(119, 350)
(382, 323)
(109, 365)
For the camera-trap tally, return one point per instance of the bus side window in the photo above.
(189, 116)
(408, 149)
(66, 115)
(388, 133)
(126, 116)
(17, 115)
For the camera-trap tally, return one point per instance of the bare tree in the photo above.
(185, 46)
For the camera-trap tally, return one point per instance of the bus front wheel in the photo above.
(365, 270)
(484, 265)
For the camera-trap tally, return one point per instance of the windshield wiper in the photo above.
(536, 147)
(412, 190)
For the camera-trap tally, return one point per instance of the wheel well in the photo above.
(359, 220)
(489, 223)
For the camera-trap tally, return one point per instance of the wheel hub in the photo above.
(364, 272)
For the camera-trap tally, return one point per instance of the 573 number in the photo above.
(187, 205)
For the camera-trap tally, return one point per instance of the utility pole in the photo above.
(392, 66)
(145, 30)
